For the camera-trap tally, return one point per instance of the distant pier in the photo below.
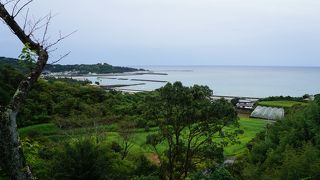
(108, 87)
(149, 80)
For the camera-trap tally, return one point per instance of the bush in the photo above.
(234, 101)
(85, 159)
(116, 147)
(283, 98)
(145, 169)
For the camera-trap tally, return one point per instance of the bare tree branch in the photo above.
(52, 50)
(21, 8)
(60, 39)
(36, 26)
(60, 58)
(14, 7)
(25, 20)
(46, 28)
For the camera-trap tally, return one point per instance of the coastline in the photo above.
(111, 74)
(225, 81)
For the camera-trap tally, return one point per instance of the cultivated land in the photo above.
(284, 104)
(52, 133)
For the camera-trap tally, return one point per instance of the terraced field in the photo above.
(52, 133)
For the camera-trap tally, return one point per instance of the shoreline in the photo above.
(111, 74)
(242, 82)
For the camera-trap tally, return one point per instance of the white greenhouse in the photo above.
(269, 113)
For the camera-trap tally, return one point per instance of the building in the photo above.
(245, 104)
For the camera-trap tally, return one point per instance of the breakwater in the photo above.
(149, 80)
(120, 85)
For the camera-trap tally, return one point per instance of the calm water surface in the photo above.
(232, 80)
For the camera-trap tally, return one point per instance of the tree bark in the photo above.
(12, 156)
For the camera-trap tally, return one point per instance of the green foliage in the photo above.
(50, 138)
(68, 80)
(317, 99)
(13, 63)
(116, 147)
(70, 103)
(303, 162)
(283, 98)
(234, 101)
(34, 151)
(27, 58)
(31, 150)
(39, 130)
(289, 149)
(174, 108)
(306, 96)
(284, 104)
(144, 168)
(80, 106)
(86, 159)
(101, 68)
(188, 122)
(250, 127)
(248, 130)
(126, 132)
(9, 81)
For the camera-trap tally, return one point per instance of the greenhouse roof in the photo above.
(270, 113)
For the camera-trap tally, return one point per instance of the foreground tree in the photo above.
(189, 122)
(36, 52)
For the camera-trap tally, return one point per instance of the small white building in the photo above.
(245, 104)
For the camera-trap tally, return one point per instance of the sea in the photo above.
(226, 80)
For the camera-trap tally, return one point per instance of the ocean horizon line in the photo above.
(253, 66)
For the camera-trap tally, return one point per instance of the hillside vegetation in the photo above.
(290, 149)
(49, 130)
(71, 130)
(101, 68)
(64, 118)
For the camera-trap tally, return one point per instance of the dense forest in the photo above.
(101, 68)
(71, 130)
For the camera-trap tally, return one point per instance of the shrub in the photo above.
(85, 159)
(145, 169)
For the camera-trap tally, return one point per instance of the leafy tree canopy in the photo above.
(189, 121)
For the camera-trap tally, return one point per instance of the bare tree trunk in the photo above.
(11, 151)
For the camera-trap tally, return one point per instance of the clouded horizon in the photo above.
(181, 32)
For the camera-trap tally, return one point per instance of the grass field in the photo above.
(250, 127)
(284, 104)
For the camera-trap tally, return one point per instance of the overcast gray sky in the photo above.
(182, 32)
